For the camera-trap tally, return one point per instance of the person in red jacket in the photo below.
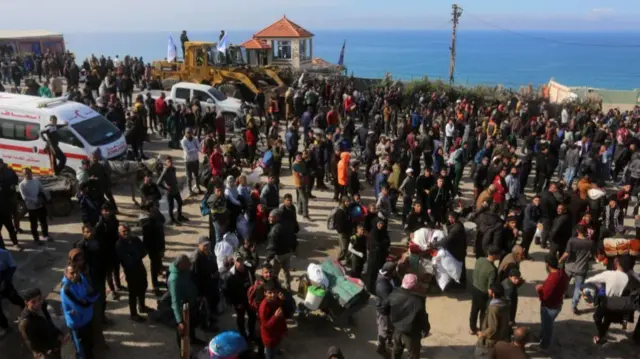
(216, 162)
(273, 323)
(251, 139)
(501, 190)
(162, 111)
(220, 128)
(332, 120)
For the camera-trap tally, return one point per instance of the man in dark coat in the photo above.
(39, 333)
(131, 251)
(439, 196)
(424, 184)
(344, 227)
(379, 244)
(106, 233)
(206, 278)
(408, 314)
(548, 211)
(153, 237)
(384, 287)
(561, 231)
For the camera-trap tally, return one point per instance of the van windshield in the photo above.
(217, 94)
(97, 131)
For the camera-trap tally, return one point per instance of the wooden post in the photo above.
(185, 352)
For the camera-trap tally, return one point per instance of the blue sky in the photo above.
(159, 15)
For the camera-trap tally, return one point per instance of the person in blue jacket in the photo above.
(77, 297)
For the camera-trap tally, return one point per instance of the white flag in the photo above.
(222, 45)
(171, 50)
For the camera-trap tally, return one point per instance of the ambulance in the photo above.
(22, 118)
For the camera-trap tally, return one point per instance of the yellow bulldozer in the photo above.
(204, 64)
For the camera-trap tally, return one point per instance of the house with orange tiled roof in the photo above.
(283, 43)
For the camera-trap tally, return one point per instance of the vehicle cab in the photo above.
(22, 118)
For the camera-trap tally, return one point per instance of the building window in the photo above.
(19, 130)
(282, 49)
(303, 50)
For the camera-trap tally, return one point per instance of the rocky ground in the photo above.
(308, 338)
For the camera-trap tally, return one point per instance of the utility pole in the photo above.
(455, 17)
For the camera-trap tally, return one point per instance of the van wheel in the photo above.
(68, 172)
(61, 206)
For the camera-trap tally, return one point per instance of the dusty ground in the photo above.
(310, 338)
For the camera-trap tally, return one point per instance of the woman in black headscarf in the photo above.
(379, 243)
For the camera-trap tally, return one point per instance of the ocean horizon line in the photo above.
(367, 29)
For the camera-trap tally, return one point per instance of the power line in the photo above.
(567, 43)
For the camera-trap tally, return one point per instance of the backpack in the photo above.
(251, 295)
(204, 206)
(267, 159)
(331, 220)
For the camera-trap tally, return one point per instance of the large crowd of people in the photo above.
(337, 138)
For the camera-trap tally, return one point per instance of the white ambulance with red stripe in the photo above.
(23, 117)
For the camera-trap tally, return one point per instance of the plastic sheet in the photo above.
(425, 237)
(227, 345)
(316, 275)
(447, 268)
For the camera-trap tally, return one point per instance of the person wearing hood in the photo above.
(153, 238)
(206, 278)
(183, 290)
(77, 298)
(384, 287)
(131, 251)
(38, 331)
(234, 203)
(379, 243)
(343, 172)
(408, 315)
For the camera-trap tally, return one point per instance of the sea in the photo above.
(602, 60)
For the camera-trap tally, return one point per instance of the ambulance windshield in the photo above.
(97, 131)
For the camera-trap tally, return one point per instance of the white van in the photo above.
(23, 117)
(229, 107)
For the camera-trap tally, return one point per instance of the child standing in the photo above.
(358, 250)
(273, 324)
